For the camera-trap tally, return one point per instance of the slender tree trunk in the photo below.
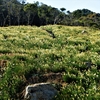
(9, 19)
(28, 19)
(32, 19)
(18, 18)
(4, 19)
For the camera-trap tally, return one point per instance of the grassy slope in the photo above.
(32, 50)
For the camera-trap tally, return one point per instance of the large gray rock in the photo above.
(40, 91)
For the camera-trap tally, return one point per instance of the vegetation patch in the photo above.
(70, 60)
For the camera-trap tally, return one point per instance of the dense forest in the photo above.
(18, 12)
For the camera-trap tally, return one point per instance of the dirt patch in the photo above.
(48, 77)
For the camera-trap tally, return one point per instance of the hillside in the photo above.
(72, 54)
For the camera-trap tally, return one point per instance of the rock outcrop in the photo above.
(40, 91)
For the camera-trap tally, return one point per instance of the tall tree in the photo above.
(42, 12)
(55, 15)
(31, 10)
(63, 9)
(3, 13)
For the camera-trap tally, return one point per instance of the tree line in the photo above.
(18, 12)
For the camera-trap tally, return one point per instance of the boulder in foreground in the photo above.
(40, 91)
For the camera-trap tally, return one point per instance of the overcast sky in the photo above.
(93, 5)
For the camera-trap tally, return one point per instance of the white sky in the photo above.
(71, 5)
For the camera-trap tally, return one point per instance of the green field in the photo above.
(27, 51)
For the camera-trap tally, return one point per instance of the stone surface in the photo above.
(40, 91)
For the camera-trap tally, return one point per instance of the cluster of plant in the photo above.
(86, 17)
(18, 12)
(32, 50)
